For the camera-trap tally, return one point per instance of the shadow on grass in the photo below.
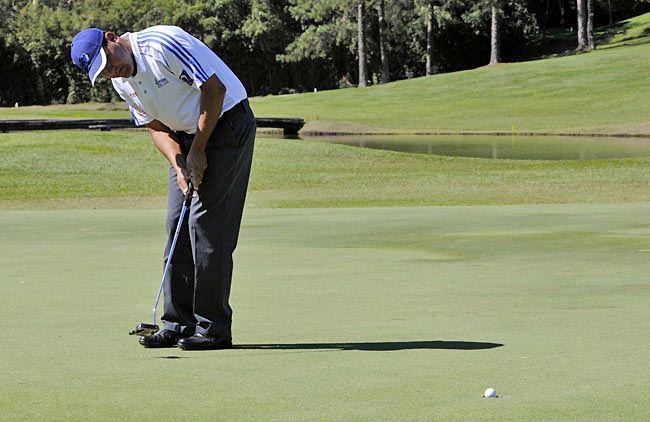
(563, 42)
(375, 346)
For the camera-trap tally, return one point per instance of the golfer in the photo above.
(197, 113)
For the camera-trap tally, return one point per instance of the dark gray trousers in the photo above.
(197, 286)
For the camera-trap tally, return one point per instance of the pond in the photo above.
(501, 147)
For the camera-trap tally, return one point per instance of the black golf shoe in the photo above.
(204, 342)
(165, 338)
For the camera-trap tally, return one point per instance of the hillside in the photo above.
(595, 92)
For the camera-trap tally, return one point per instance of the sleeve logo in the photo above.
(186, 78)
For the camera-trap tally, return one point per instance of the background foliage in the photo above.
(279, 46)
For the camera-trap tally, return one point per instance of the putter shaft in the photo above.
(144, 329)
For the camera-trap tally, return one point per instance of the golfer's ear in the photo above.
(110, 36)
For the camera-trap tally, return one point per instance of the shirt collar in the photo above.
(139, 61)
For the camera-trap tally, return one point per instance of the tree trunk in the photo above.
(611, 12)
(547, 14)
(495, 50)
(430, 24)
(590, 25)
(385, 75)
(562, 12)
(362, 45)
(582, 24)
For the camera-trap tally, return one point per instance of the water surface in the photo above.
(501, 147)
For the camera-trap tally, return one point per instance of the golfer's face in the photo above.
(119, 62)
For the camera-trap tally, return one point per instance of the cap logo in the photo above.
(84, 62)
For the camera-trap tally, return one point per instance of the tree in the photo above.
(383, 53)
(281, 46)
(430, 25)
(493, 9)
(610, 11)
(495, 41)
(582, 24)
(486, 18)
(433, 14)
(327, 37)
(590, 25)
(44, 33)
(267, 29)
(361, 44)
(585, 12)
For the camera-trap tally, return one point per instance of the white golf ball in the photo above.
(490, 393)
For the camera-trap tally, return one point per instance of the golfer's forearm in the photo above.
(166, 144)
(213, 93)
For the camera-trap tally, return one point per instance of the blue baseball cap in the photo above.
(87, 52)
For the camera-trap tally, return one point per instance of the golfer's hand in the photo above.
(182, 174)
(182, 181)
(196, 165)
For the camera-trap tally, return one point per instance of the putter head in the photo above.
(145, 330)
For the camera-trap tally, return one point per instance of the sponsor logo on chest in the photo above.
(161, 82)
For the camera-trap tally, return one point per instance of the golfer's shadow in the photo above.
(375, 346)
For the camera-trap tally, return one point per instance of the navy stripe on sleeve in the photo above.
(178, 50)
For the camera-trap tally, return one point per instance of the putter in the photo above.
(144, 329)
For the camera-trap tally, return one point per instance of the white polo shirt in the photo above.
(171, 67)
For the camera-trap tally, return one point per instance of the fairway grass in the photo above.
(340, 314)
(122, 169)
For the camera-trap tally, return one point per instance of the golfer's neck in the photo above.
(127, 42)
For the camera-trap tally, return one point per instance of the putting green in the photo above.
(340, 314)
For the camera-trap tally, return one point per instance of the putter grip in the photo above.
(188, 195)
